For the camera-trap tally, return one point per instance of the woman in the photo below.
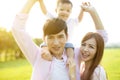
(89, 57)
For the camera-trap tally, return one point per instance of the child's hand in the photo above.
(46, 54)
(72, 68)
(86, 6)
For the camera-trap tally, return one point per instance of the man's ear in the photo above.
(67, 36)
(44, 39)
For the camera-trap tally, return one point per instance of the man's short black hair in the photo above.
(54, 26)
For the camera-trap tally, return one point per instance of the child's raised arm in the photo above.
(43, 7)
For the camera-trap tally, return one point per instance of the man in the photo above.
(55, 36)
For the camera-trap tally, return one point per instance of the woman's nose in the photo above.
(85, 48)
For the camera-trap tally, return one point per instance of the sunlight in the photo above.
(9, 8)
(107, 10)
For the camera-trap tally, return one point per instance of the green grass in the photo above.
(111, 63)
(15, 70)
(21, 69)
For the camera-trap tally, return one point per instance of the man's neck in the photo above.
(59, 57)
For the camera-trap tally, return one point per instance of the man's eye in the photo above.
(61, 36)
(50, 37)
(68, 10)
(83, 44)
(61, 9)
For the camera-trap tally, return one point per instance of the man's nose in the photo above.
(56, 41)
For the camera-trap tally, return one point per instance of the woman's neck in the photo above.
(88, 64)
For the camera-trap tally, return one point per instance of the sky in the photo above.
(108, 11)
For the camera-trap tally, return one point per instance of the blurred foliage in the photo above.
(8, 46)
(38, 41)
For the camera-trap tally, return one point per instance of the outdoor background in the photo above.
(13, 65)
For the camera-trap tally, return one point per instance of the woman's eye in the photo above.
(92, 47)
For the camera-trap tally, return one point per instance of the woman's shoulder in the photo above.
(99, 69)
(99, 73)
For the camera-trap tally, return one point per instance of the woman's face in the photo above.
(88, 49)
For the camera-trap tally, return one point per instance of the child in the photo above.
(63, 11)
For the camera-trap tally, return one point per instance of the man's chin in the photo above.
(57, 52)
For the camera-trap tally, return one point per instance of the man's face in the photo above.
(56, 43)
(64, 11)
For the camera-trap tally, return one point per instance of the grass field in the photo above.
(21, 69)
(111, 63)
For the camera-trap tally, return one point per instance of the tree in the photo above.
(38, 41)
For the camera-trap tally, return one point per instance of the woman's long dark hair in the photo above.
(98, 56)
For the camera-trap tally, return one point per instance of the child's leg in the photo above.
(69, 50)
(70, 61)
